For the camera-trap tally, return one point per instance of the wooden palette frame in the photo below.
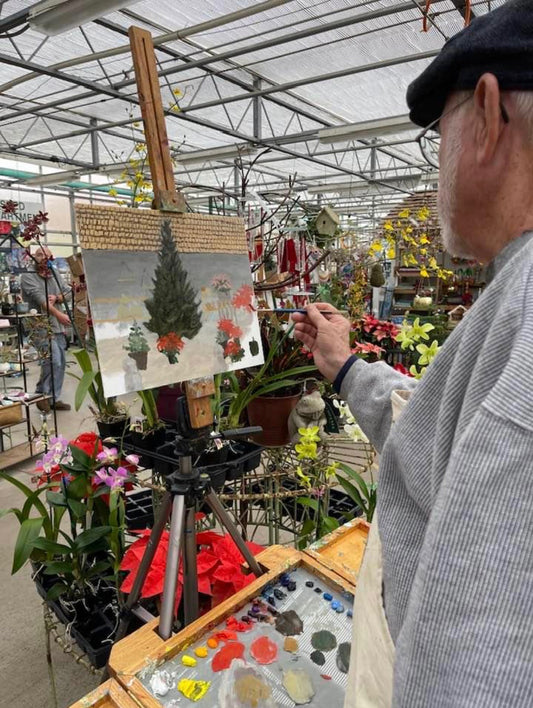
(330, 549)
(131, 657)
(108, 695)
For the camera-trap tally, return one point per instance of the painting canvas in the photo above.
(171, 296)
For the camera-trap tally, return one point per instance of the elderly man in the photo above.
(36, 284)
(444, 608)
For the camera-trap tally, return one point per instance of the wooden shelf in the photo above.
(15, 455)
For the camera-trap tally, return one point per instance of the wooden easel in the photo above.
(166, 196)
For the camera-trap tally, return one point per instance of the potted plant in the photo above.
(137, 347)
(111, 417)
(76, 564)
(148, 433)
(270, 392)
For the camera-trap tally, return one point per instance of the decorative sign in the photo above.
(171, 296)
(25, 211)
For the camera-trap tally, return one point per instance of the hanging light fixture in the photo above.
(53, 17)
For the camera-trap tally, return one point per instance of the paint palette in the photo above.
(276, 662)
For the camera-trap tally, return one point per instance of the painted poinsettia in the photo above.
(244, 298)
(222, 284)
(229, 337)
(171, 345)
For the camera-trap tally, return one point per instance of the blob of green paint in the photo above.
(343, 657)
(323, 640)
(289, 623)
(318, 658)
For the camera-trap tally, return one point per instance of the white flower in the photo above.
(354, 432)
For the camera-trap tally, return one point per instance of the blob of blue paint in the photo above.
(327, 596)
(349, 614)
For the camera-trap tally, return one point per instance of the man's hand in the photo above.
(63, 319)
(52, 299)
(327, 337)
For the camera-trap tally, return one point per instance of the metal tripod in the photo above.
(186, 486)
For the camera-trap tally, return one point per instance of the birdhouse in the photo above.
(327, 222)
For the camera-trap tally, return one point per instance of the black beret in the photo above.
(500, 42)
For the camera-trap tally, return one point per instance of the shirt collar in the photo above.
(507, 254)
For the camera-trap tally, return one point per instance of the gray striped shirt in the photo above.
(455, 502)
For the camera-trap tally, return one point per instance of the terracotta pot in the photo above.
(140, 358)
(272, 414)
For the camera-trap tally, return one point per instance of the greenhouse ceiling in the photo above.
(308, 95)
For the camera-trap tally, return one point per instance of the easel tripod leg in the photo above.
(221, 514)
(172, 567)
(190, 584)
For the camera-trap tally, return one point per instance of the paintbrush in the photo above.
(302, 311)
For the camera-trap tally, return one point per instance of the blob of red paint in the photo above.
(264, 650)
(325, 677)
(232, 623)
(225, 635)
(223, 658)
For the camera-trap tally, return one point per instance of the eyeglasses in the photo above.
(429, 138)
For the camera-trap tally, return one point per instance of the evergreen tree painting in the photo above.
(173, 308)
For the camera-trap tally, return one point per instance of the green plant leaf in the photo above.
(88, 537)
(57, 568)
(329, 524)
(28, 533)
(81, 458)
(306, 501)
(55, 499)
(17, 512)
(56, 591)
(357, 478)
(77, 488)
(353, 493)
(99, 567)
(86, 382)
(79, 509)
(51, 546)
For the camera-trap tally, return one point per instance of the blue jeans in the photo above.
(58, 363)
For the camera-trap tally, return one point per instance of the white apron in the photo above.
(372, 657)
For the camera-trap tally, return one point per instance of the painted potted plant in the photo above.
(76, 564)
(137, 347)
(270, 392)
(111, 417)
(173, 306)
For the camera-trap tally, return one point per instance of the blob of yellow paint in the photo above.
(194, 690)
(201, 652)
(188, 660)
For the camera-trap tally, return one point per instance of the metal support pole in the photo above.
(95, 152)
(257, 110)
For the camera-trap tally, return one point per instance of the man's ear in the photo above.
(488, 121)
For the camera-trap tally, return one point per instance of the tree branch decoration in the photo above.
(173, 308)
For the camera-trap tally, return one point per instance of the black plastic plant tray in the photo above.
(139, 510)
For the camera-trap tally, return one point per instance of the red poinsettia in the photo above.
(243, 298)
(89, 442)
(385, 330)
(229, 328)
(218, 566)
(232, 348)
(170, 342)
(367, 348)
(401, 368)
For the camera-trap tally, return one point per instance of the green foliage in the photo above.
(136, 340)
(173, 307)
(90, 384)
(149, 409)
(94, 543)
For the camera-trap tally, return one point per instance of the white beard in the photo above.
(454, 244)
